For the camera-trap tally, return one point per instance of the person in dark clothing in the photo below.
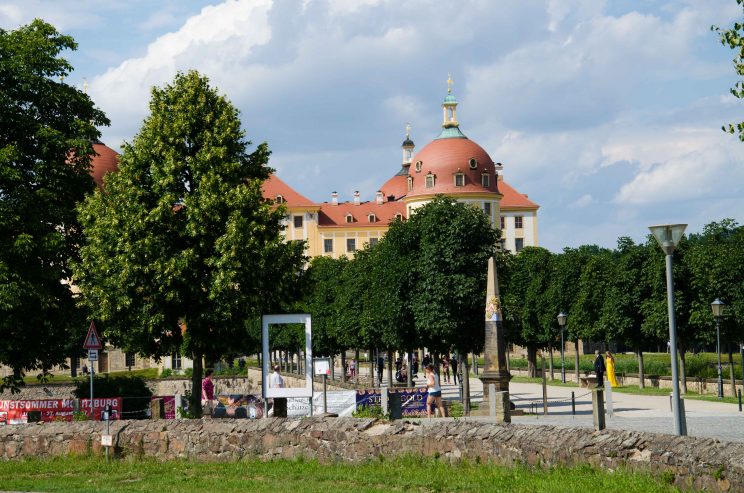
(599, 368)
(455, 368)
(380, 368)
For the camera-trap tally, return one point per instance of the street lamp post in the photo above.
(562, 322)
(668, 236)
(717, 307)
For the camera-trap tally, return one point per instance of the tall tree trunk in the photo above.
(550, 361)
(576, 362)
(390, 369)
(196, 378)
(641, 369)
(299, 362)
(531, 361)
(466, 388)
(343, 366)
(731, 368)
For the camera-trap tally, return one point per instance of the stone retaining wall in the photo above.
(693, 462)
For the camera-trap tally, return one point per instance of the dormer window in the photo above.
(473, 163)
(372, 218)
(430, 180)
(349, 218)
(399, 216)
(459, 179)
(279, 199)
(486, 180)
(410, 183)
(417, 166)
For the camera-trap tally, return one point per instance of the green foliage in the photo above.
(375, 412)
(734, 39)
(133, 389)
(45, 147)
(166, 373)
(182, 252)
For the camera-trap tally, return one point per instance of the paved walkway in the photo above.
(630, 411)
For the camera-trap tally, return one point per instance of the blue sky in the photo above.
(607, 114)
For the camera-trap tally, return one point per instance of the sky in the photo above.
(608, 114)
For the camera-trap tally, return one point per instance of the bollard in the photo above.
(608, 398)
(492, 400)
(544, 387)
(502, 406)
(598, 412)
(739, 392)
(573, 403)
(683, 421)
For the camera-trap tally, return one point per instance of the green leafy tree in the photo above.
(182, 251)
(46, 132)
(734, 39)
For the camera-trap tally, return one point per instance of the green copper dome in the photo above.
(450, 99)
(451, 133)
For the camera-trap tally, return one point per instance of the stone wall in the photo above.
(693, 462)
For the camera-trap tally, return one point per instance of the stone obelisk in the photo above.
(495, 371)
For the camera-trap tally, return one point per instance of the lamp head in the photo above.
(668, 236)
(562, 319)
(717, 307)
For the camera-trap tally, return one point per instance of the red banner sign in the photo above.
(17, 411)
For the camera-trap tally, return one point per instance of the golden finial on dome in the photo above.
(85, 85)
(449, 83)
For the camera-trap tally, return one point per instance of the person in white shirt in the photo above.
(276, 382)
(434, 391)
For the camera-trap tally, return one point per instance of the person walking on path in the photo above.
(380, 368)
(445, 368)
(453, 363)
(610, 365)
(434, 391)
(207, 394)
(276, 382)
(599, 368)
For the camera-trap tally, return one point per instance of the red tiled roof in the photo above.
(397, 186)
(335, 215)
(273, 186)
(445, 157)
(513, 199)
(104, 160)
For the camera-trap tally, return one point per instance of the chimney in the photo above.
(334, 198)
(357, 200)
(380, 197)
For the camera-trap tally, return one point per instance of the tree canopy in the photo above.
(47, 128)
(181, 249)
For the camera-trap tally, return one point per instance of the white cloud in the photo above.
(583, 201)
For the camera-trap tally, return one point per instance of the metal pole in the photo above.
(325, 395)
(718, 350)
(92, 414)
(563, 366)
(739, 392)
(680, 426)
(573, 403)
(544, 386)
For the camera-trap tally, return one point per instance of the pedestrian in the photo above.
(427, 360)
(455, 368)
(380, 367)
(352, 369)
(434, 392)
(445, 368)
(85, 369)
(610, 366)
(276, 382)
(599, 368)
(207, 395)
(415, 364)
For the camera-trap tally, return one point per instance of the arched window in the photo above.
(473, 163)
(279, 199)
(459, 179)
(399, 216)
(486, 180)
(410, 183)
(417, 166)
(430, 179)
(349, 218)
(372, 218)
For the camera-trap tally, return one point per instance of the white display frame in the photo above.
(294, 318)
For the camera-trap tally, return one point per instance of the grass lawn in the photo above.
(417, 474)
(33, 379)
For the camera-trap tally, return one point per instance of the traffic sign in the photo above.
(92, 340)
(92, 354)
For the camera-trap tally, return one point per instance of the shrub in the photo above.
(133, 390)
(167, 372)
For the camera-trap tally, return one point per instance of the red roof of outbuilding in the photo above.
(513, 199)
(273, 187)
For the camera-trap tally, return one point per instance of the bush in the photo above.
(167, 372)
(133, 390)
(370, 412)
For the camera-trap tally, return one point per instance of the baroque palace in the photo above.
(451, 164)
